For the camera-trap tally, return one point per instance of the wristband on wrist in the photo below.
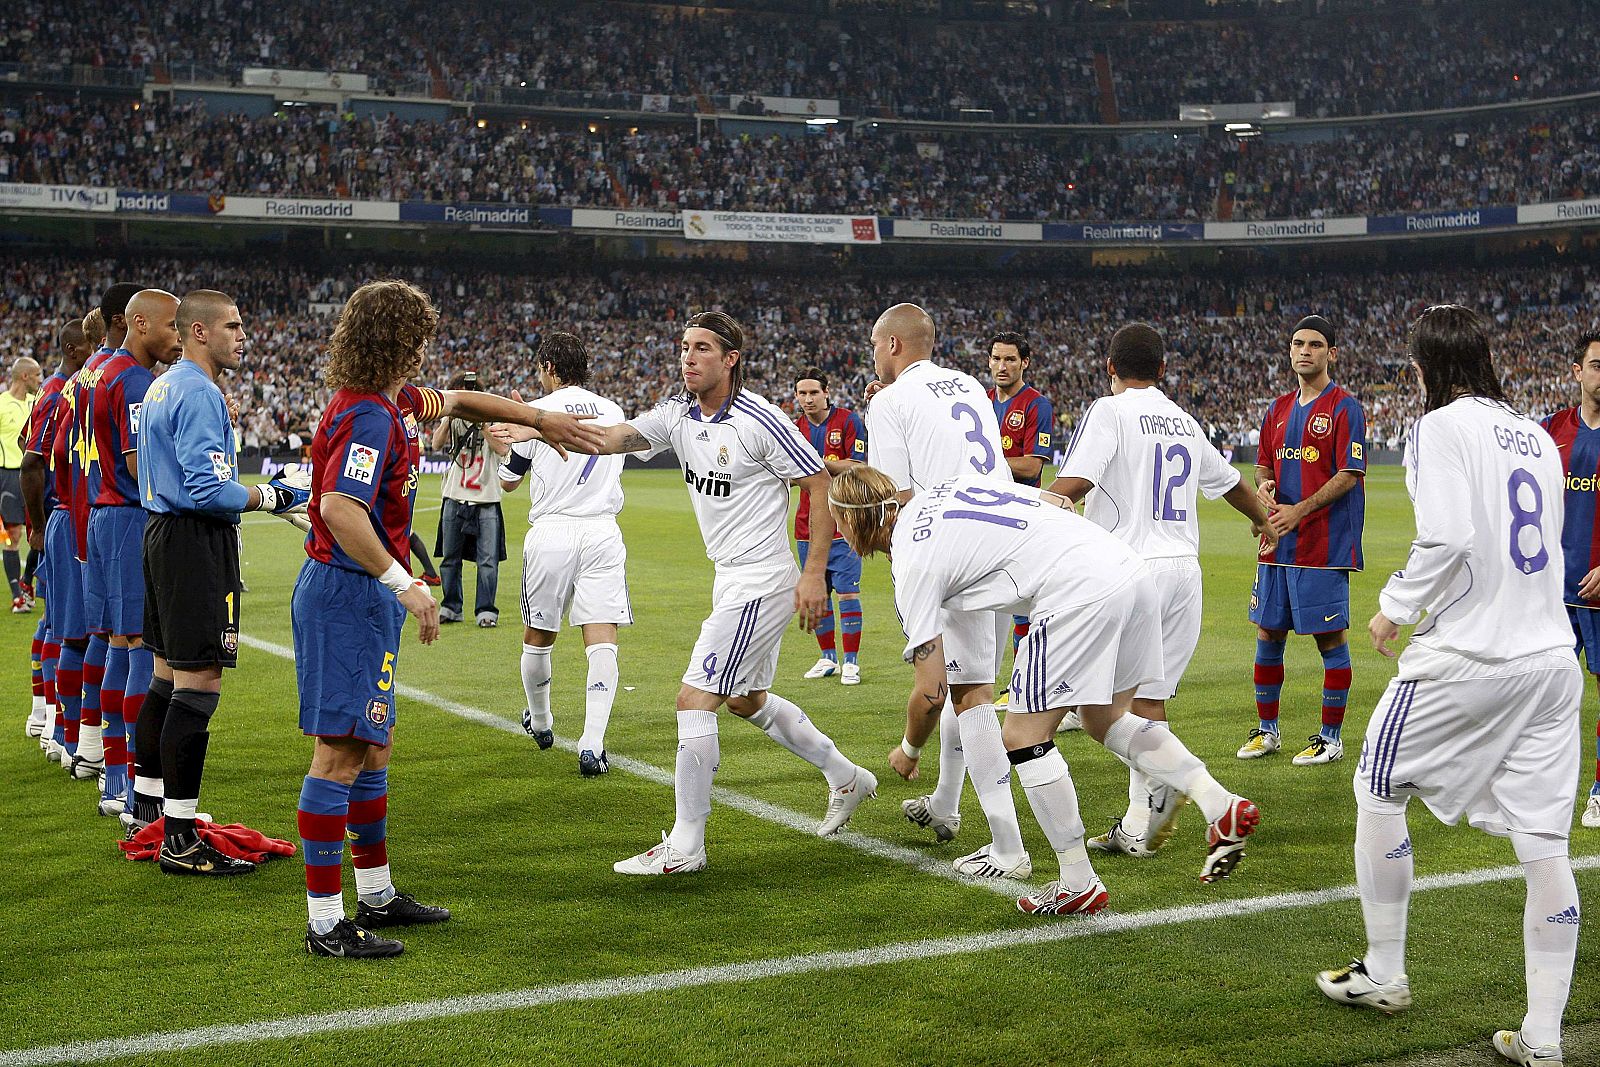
(911, 751)
(269, 499)
(397, 579)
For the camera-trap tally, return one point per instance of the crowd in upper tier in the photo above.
(1023, 70)
(1227, 339)
(1365, 170)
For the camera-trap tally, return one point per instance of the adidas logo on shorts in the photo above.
(953, 667)
(1060, 689)
(598, 687)
(1570, 916)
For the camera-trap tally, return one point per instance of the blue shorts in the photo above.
(113, 581)
(63, 609)
(1586, 631)
(1307, 600)
(346, 648)
(844, 567)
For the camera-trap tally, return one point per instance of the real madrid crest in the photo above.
(722, 456)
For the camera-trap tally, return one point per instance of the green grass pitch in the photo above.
(521, 848)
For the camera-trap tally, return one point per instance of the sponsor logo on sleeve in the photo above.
(1355, 449)
(220, 466)
(1044, 440)
(133, 417)
(361, 463)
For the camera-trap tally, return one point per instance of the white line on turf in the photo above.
(761, 809)
(300, 1026)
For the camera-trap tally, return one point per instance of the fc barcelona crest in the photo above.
(1014, 420)
(1320, 424)
(835, 438)
(377, 712)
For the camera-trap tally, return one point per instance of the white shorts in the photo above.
(577, 568)
(1177, 581)
(737, 652)
(1501, 748)
(971, 646)
(1087, 654)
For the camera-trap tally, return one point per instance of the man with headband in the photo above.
(1309, 472)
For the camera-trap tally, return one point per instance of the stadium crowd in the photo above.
(1226, 337)
(881, 65)
(1366, 170)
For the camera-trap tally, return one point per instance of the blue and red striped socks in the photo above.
(69, 689)
(824, 632)
(1269, 682)
(368, 831)
(850, 626)
(324, 809)
(115, 732)
(1335, 690)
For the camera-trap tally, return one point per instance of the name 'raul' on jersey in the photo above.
(1304, 446)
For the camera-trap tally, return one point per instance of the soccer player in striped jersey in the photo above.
(1481, 721)
(838, 436)
(738, 453)
(38, 494)
(1027, 423)
(573, 560)
(354, 593)
(1577, 433)
(1309, 473)
(1142, 462)
(930, 424)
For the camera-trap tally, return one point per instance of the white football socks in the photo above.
(91, 743)
(598, 696)
(1137, 820)
(946, 798)
(699, 752)
(1550, 941)
(990, 771)
(1152, 748)
(785, 723)
(1383, 872)
(1054, 799)
(536, 684)
(375, 885)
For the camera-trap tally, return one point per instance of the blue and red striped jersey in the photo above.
(367, 447)
(1580, 459)
(41, 424)
(1027, 425)
(119, 390)
(83, 462)
(841, 435)
(1304, 446)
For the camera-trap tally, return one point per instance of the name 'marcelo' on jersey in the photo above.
(1149, 462)
(972, 545)
(840, 435)
(579, 486)
(1486, 565)
(188, 453)
(366, 447)
(1580, 459)
(1027, 423)
(737, 464)
(1304, 446)
(934, 424)
(114, 413)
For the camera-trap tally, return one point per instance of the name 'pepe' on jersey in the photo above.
(737, 464)
(367, 448)
(910, 423)
(1026, 421)
(1580, 459)
(1304, 446)
(839, 436)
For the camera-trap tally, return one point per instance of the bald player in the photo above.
(15, 404)
(925, 425)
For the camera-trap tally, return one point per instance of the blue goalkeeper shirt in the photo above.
(188, 455)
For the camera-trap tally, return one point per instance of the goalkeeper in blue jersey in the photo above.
(188, 481)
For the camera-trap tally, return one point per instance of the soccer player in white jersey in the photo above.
(573, 560)
(1482, 719)
(1142, 462)
(1094, 637)
(739, 453)
(928, 424)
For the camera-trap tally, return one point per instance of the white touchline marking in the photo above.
(750, 805)
(1047, 932)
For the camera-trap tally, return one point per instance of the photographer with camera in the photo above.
(471, 524)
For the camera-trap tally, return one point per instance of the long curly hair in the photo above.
(863, 502)
(379, 332)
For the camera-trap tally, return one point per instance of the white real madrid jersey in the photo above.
(972, 545)
(1488, 487)
(934, 424)
(579, 486)
(737, 465)
(1149, 461)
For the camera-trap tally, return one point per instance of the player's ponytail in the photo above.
(865, 506)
